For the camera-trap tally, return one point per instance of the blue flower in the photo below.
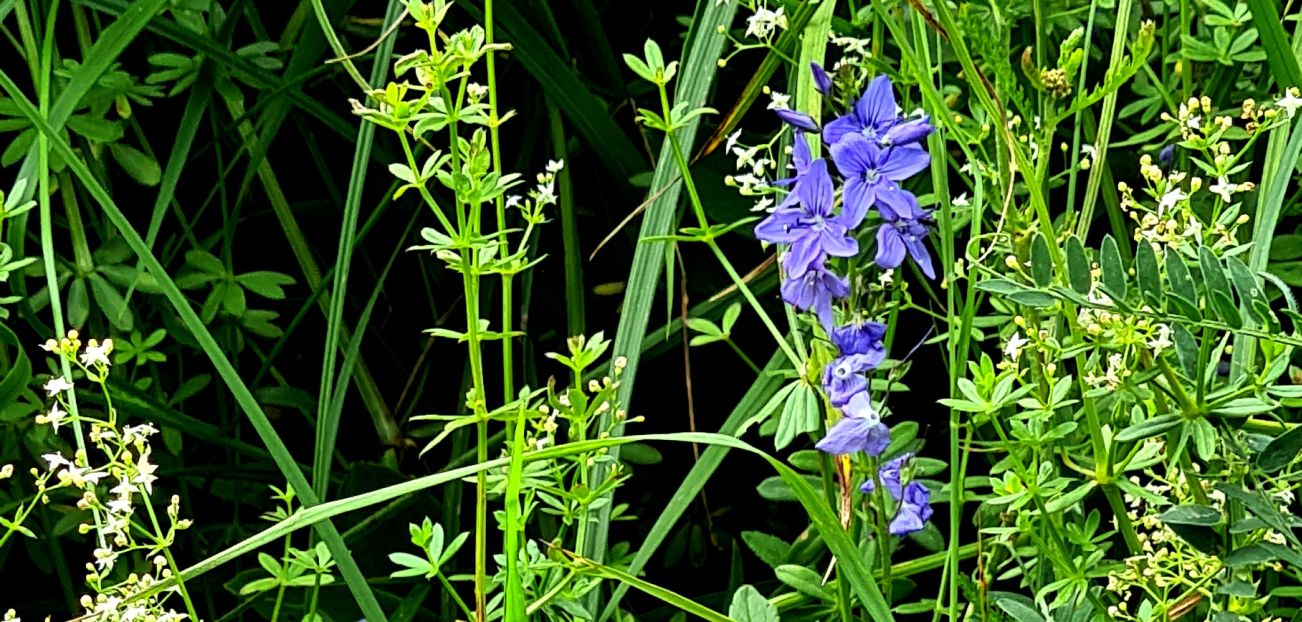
(822, 83)
(1167, 155)
(861, 338)
(915, 509)
(902, 231)
(815, 291)
(872, 174)
(798, 120)
(859, 430)
(843, 378)
(811, 229)
(876, 118)
(889, 474)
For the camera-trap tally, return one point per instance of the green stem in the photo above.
(280, 591)
(746, 359)
(494, 139)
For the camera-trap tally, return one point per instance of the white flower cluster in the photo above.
(112, 488)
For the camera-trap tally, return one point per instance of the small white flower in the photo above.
(1013, 350)
(746, 156)
(1172, 198)
(1224, 189)
(56, 461)
(763, 204)
(57, 385)
(1290, 102)
(779, 100)
(851, 45)
(886, 277)
(476, 91)
(513, 200)
(555, 166)
(1162, 340)
(145, 473)
(961, 201)
(764, 22)
(1090, 151)
(1195, 122)
(97, 353)
(732, 141)
(55, 416)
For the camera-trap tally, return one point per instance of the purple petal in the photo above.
(890, 247)
(800, 155)
(839, 128)
(854, 155)
(889, 474)
(859, 196)
(780, 226)
(848, 436)
(804, 253)
(906, 521)
(918, 251)
(902, 163)
(796, 294)
(822, 82)
(841, 389)
(877, 106)
(907, 132)
(797, 120)
(815, 189)
(859, 337)
(837, 244)
(879, 438)
(894, 203)
(915, 510)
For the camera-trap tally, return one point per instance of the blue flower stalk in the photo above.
(875, 149)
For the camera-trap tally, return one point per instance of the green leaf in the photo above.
(803, 580)
(1041, 264)
(748, 605)
(1281, 451)
(771, 550)
(1114, 271)
(1182, 283)
(1261, 507)
(1213, 274)
(800, 414)
(1148, 429)
(1150, 280)
(266, 284)
(1038, 300)
(1019, 611)
(1000, 286)
(140, 166)
(1078, 267)
(1251, 555)
(1191, 515)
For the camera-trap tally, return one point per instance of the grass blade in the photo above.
(670, 597)
(701, 57)
(329, 408)
(1279, 54)
(279, 453)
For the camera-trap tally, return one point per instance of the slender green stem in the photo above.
(452, 591)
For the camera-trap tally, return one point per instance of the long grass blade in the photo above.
(701, 57)
(243, 396)
(1279, 54)
(328, 415)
